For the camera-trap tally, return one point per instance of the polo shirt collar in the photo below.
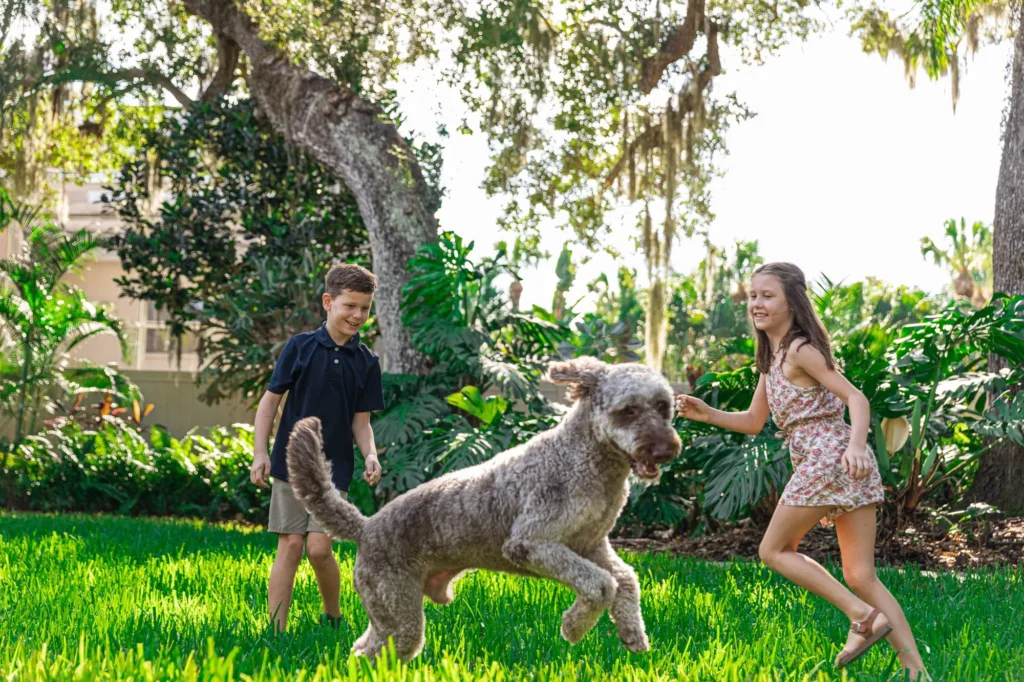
(324, 337)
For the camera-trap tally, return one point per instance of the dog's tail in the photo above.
(309, 474)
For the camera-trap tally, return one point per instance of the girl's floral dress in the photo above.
(811, 421)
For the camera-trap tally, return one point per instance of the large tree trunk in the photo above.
(359, 146)
(1000, 478)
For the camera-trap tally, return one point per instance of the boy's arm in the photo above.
(286, 371)
(265, 414)
(362, 433)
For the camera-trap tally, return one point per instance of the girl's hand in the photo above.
(856, 462)
(692, 408)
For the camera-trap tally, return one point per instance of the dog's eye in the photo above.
(630, 411)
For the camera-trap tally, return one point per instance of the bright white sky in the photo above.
(842, 171)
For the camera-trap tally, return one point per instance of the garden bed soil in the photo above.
(922, 544)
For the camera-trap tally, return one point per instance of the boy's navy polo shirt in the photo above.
(328, 381)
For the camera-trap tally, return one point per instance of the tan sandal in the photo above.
(845, 658)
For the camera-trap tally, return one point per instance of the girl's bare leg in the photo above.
(778, 551)
(856, 531)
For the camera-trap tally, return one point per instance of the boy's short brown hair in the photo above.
(352, 277)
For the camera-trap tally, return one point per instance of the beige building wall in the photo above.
(176, 404)
(81, 207)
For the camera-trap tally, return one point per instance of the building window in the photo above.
(158, 336)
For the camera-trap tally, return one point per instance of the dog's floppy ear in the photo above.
(580, 374)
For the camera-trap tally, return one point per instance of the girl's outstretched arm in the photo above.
(751, 421)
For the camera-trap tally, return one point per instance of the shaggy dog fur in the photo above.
(541, 509)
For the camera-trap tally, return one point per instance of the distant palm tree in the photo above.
(969, 256)
(42, 317)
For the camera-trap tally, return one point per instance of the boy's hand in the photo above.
(372, 473)
(259, 470)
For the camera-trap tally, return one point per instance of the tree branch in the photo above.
(227, 60)
(88, 74)
(154, 78)
(710, 70)
(73, 73)
(227, 20)
(714, 65)
(676, 45)
(614, 25)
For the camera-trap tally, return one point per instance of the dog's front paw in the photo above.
(578, 621)
(634, 639)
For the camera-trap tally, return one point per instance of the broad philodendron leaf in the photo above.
(471, 401)
(407, 421)
(739, 473)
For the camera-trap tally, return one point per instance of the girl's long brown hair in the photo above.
(806, 325)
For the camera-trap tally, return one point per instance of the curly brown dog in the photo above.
(541, 509)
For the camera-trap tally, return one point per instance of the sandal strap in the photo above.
(865, 625)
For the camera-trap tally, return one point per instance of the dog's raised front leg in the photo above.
(625, 610)
(595, 588)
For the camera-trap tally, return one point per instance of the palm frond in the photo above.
(15, 312)
(468, 448)
(439, 338)
(89, 328)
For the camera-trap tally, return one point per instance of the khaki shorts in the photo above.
(287, 515)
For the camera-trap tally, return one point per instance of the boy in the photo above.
(328, 374)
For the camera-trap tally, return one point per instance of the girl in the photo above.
(835, 476)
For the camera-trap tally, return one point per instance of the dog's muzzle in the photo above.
(645, 463)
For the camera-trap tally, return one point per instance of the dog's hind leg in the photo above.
(395, 605)
(359, 648)
(625, 609)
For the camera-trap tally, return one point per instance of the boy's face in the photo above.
(347, 312)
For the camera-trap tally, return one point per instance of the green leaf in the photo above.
(881, 452)
(915, 427)
(408, 421)
(739, 473)
(929, 463)
(470, 400)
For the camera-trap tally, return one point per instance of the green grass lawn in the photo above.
(88, 598)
